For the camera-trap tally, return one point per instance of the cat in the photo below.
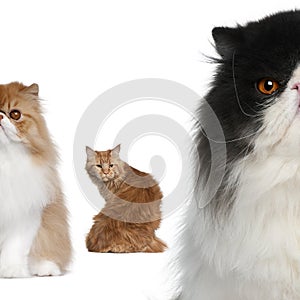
(131, 214)
(34, 236)
(243, 242)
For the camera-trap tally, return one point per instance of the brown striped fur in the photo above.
(131, 214)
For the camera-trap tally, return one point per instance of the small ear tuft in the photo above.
(227, 40)
(116, 150)
(32, 89)
(90, 153)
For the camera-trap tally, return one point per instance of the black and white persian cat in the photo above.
(242, 242)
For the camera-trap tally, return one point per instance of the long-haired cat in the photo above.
(243, 243)
(131, 214)
(34, 238)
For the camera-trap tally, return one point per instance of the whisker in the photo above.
(236, 90)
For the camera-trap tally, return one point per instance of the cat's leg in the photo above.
(103, 239)
(101, 243)
(122, 247)
(138, 239)
(43, 267)
(96, 240)
(137, 243)
(16, 246)
(103, 235)
(51, 251)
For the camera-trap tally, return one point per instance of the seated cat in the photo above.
(131, 214)
(34, 234)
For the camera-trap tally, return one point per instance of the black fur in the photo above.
(267, 48)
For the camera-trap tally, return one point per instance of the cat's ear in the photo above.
(115, 151)
(227, 40)
(90, 153)
(32, 89)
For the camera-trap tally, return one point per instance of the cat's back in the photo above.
(140, 173)
(139, 186)
(143, 179)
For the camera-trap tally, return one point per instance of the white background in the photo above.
(75, 50)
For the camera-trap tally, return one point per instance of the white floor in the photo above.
(136, 276)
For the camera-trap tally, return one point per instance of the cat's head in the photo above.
(256, 91)
(21, 120)
(105, 165)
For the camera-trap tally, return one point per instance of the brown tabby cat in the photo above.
(131, 214)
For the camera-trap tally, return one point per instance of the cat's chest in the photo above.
(265, 221)
(275, 179)
(263, 232)
(23, 185)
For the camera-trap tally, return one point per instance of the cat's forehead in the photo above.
(266, 48)
(279, 21)
(12, 95)
(11, 89)
(278, 32)
(103, 155)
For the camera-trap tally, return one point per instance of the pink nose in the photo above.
(105, 171)
(296, 86)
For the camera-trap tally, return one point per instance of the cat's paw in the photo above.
(45, 268)
(14, 271)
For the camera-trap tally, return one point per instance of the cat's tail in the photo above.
(156, 245)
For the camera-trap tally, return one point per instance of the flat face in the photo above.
(257, 84)
(255, 96)
(20, 114)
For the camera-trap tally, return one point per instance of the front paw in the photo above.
(45, 268)
(14, 271)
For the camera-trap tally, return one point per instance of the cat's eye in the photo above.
(267, 86)
(15, 114)
(99, 166)
(111, 165)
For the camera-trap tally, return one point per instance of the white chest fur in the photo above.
(265, 222)
(255, 254)
(260, 242)
(23, 187)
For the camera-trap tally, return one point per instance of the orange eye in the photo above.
(267, 86)
(15, 114)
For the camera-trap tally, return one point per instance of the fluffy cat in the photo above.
(131, 214)
(34, 238)
(243, 242)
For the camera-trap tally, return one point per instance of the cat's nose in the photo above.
(105, 171)
(296, 86)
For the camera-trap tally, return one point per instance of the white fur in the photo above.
(254, 254)
(8, 132)
(45, 268)
(24, 191)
